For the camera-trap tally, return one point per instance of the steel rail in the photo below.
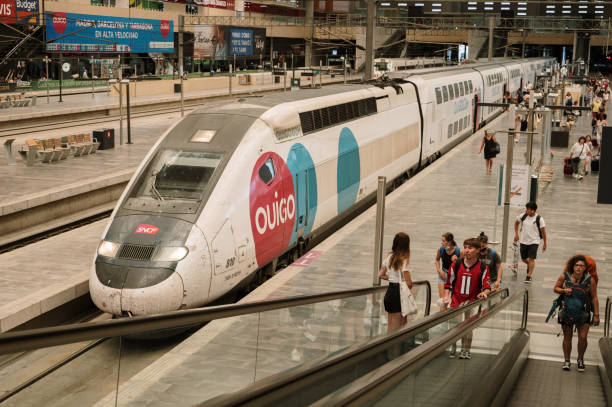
(325, 367)
(13, 342)
(389, 375)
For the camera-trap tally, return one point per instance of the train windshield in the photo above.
(176, 175)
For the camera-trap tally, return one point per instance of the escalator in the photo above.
(333, 349)
(421, 372)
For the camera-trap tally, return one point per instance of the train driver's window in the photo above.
(266, 171)
(461, 90)
(456, 90)
(451, 93)
(445, 93)
(438, 96)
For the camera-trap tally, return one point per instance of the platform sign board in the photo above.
(519, 186)
(70, 32)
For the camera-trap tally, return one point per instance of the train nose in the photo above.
(136, 290)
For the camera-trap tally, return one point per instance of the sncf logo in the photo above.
(59, 22)
(146, 229)
(164, 28)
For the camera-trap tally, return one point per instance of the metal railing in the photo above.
(468, 22)
(12, 342)
(607, 317)
(392, 373)
(327, 368)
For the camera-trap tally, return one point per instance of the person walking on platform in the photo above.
(395, 263)
(578, 300)
(492, 260)
(578, 156)
(489, 142)
(448, 253)
(467, 280)
(532, 230)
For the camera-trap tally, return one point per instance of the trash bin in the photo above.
(559, 138)
(177, 88)
(106, 138)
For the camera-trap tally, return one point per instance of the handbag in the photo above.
(497, 148)
(576, 160)
(409, 305)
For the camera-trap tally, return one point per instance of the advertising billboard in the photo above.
(247, 41)
(221, 42)
(224, 4)
(19, 11)
(68, 32)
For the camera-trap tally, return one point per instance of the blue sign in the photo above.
(68, 32)
(241, 41)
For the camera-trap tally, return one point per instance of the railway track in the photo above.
(67, 124)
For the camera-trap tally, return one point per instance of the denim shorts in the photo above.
(445, 276)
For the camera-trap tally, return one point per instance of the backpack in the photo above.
(537, 223)
(457, 252)
(576, 308)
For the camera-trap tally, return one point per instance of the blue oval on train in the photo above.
(348, 170)
(302, 170)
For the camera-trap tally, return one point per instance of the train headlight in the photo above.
(170, 253)
(108, 249)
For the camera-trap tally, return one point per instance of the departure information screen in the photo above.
(592, 9)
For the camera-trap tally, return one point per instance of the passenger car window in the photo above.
(451, 93)
(438, 96)
(455, 127)
(450, 130)
(467, 87)
(266, 171)
(471, 86)
(456, 90)
(461, 90)
(445, 93)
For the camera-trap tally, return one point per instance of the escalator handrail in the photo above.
(607, 317)
(361, 350)
(389, 375)
(12, 342)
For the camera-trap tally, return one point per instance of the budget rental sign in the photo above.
(92, 33)
(19, 11)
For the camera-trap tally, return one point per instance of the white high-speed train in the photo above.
(227, 192)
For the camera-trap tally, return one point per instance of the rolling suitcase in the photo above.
(567, 166)
(595, 165)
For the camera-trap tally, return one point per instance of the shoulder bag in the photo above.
(409, 305)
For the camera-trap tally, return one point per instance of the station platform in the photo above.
(453, 194)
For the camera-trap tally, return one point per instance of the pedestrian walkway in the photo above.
(453, 194)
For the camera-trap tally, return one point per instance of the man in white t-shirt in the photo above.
(532, 230)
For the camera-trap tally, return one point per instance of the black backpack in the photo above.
(537, 223)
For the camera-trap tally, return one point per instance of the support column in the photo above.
(574, 50)
(491, 29)
(371, 19)
(523, 43)
(272, 52)
(310, 28)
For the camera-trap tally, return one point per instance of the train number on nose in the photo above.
(230, 262)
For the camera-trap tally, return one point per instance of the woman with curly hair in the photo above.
(578, 298)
